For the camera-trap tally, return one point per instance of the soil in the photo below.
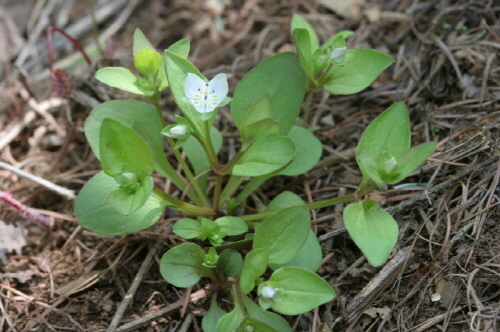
(444, 272)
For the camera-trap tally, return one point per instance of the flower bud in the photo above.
(338, 54)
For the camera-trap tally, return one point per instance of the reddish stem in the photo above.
(25, 211)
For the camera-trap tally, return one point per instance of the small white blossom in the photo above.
(390, 164)
(338, 54)
(268, 292)
(205, 97)
(178, 131)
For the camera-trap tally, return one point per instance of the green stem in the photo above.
(363, 191)
(231, 186)
(247, 191)
(323, 76)
(183, 206)
(168, 171)
(217, 192)
(229, 166)
(206, 143)
(201, 198)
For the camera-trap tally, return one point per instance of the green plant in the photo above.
(127, 137)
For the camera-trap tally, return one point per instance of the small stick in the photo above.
(25, 211)
(70, 194)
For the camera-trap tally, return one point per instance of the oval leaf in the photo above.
(254, 266)
(118, 77)
(373, 230)
(187, 228)
(95, 213)
(141, 118)
(232, 225)
(128, 202)
(230, 262)
(121, 146)
(283, 234)
(302, 290)
(283, 79)
(309, 150)
(360, 68)
(269, 153)
(182, 266)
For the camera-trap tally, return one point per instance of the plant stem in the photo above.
(201, 198)
(323, 76)
(217, 191)
(363, 191)
(248, 190)
(183, 206)
(206, 143)
(231, 186)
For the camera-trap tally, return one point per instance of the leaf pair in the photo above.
(147, 61)
(384, 157)
(346, 72)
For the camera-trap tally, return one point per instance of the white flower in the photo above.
(338, 54)
(268, 292)
(390, 164)
(179, 131)
(205, 97)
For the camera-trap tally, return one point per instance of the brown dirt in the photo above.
(447, 73)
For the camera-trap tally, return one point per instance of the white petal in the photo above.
(268, 292)
(218, 86)
(194, 86)
(338, 54)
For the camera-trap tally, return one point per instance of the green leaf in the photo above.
(283, 234)
(260, 110)
(284, 200)
(120, 78)
(126, 201)
(269, 153)
(309, 256)
(147, 62)
(232, 225)
(253, 131)
(141, 118)
(373, 230)
(412, 159)
(95, 213)
(301, 289)
(257, 121)
(304, 51)
(387, 137)
(230, 262)
(232, 320)
(181, 48)
(309, 150)
(187, 228)
(300, 23)
(140, 42)
(360, 68)
(121, 146)
(211, 318)
(182, 266)
(388, 133)
(283, 79)
(250, 324)
(198, 157)
(334, 40)
(254, 265)
(269, 318)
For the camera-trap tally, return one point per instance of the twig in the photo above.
(171, 307)
(25, 211)
(70, 194)
(133, 287)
